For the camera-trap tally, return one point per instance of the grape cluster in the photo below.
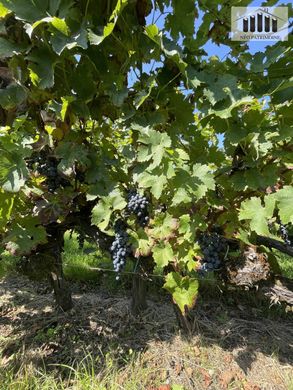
(46, 166)
(120, 249)
(284, 234)
(211, 245)
(138, 205)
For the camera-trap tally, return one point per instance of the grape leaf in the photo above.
(102, 212)
(41, 66)
(164, 226)
(192, 184)
(163, 254)
(108, 29)
(183, 289)
(13, 172)
(71, 153)
(156, 142)
(258, 215)
(6, 205)
(24, 235)
(8, 49)
(284, 198)
(12, 96)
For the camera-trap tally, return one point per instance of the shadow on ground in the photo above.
(33, 331)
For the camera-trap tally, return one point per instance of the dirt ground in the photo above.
(233, 347)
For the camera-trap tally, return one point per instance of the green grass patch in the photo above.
(7, 264)
(78, 262)
(90, 264)
(85, 376)
(286, 264)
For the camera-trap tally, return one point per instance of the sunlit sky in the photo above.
(211, 48)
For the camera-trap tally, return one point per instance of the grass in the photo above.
(78, 262)
(7, 264)
(286, 264)
(85, 376)
(206, 365)
(79, 265)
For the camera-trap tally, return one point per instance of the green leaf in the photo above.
(183, 289)
(157, 144)
(142, 95)
(42, 64)
(13, 171)
(284, 199)
(182, 19)
(6, 206)
(71, 153)
(192, 184)
(83, 80)
(156, 183)
(227, 112)
(24, 235)
(102, 212)
(30, 10)
(163, 254)
(8, 49)
(108, 29)
(258, 215)
(60, 25)
(12, 96)
(66, 100)
(169, 48)
(141, 242)
(60, 42)
(152, 31)
(3, 11)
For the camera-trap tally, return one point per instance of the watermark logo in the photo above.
(259, 23)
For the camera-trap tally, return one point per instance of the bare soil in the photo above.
(232, 347)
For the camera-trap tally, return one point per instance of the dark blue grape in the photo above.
(138, 205)
(211, 245)
(120, 249)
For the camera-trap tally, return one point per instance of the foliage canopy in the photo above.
(204, 137)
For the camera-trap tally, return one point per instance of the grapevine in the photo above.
(93, 103)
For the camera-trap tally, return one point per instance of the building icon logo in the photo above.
(259, 23)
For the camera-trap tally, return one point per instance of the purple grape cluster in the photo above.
(138, 205)
(46, 166)
(211, 245)
(120, 249)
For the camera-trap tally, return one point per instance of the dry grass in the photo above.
(233, 347)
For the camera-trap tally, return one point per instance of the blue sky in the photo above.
(211, 48)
